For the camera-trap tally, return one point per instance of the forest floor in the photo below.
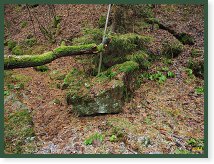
(161, 118)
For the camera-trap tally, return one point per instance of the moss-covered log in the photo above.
(182, 37)
(11, 62)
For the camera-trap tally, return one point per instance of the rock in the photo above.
(11, 97)
(104, 94)
(144, 141)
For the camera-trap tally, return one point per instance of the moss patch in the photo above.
(172, 49)
(101, 94)
(42, 68)
(197, 67)
(185, 38)
(19, 133)
(11, 44)
(17, 50)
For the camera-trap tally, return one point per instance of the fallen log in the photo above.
(182, 37)
(24, 61)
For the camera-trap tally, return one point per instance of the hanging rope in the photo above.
(104, 37)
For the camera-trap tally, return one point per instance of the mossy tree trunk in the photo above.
(11, 62)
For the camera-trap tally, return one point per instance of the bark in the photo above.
(11, 62)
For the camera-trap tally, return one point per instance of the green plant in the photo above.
(23, 24)
(19, 86)
(199, 90)
(165, 69)
(170, 74)
(167, 61)
(159, 77)
(147, 120)
(6, 93)
(94, 137)
(113, 138)
(56, 21)
(182, 151)
(10, 86)
(57, 101)
(189, 72)
(196, 142)
(11, 44)
(42, 68)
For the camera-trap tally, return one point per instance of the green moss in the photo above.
(196, 52)
(197, 67)
(92, 138)
(152, 20)
(30, 42)
(35, 60)
(19, 132)
(65, 50)
(57, 75)
(127, 67)
(11, 77)
(185, 38)
(89, 36)
(102, 21)
(141, 58)
(17, 50)
(42, 68)
(56, 21)
(127, 43)
(36, 49)
(23, 24)
(62, 44)
(172, 49)
(11, 44)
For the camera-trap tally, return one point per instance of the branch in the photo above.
(11, 62)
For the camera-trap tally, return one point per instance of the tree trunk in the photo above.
(11, 62)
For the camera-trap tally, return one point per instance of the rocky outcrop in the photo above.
(105, 93)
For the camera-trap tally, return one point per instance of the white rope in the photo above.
(104, 33)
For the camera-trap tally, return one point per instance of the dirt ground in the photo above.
(161, 118)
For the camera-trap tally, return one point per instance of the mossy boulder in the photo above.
(123, 45)
(140, 57)
(105, 93)
(172, 49)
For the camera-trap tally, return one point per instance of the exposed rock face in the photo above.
(104, 94)
(107, 101)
